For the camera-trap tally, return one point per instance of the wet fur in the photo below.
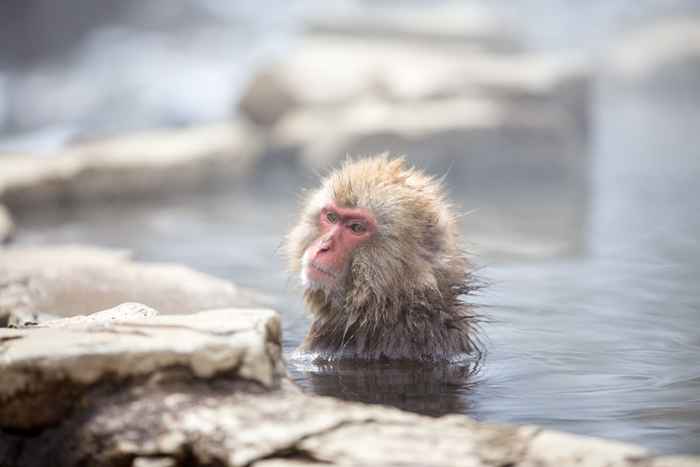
(403, 295)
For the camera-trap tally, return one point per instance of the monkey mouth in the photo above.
(322, 270)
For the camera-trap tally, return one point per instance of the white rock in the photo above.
(72, 355)
(447, 22)
(148, 163)
(334, 71)
(557, 448)
(74, 280)
(103, 320)
(444, 133)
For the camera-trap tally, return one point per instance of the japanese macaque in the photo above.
(376, 247)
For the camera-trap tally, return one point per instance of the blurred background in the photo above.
(568, 131)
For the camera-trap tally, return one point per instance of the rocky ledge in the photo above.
(331, 72)
(439, 24)
(43, 283)
(47, 368)
(130, 167)
(130, 387)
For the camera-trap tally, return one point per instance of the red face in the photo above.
(341, 231)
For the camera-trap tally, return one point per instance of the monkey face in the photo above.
(326, 262)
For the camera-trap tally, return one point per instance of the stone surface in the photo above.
(663, 55)
(448, 22)
(7, 226)
(447, 133)
(555, 448)
(133, 166)
(40, 283)
(47, 369)
(102, 320)
(229, 424)
(675, 461)
(408, 442)
(124, 387)
(335, 71)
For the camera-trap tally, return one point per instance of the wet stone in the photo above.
(134, 166)
(42, 283)
(129, 386)
(447, 24)
(331, 71)
(47, 368)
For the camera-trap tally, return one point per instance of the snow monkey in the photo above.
(376, 247)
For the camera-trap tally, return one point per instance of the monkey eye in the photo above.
(358, 228)
(332, 217)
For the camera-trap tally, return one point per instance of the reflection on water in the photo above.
(602, 341)
(431, 389)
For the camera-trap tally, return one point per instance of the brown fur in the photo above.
(403, 297)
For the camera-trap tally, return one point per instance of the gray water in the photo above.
(601, 340)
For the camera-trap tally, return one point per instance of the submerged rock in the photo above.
(7, 226)
(74, 280)
(133, 166)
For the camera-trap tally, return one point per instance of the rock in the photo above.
(266, 98)
(196, 424)
(447, 133)
(49, 367)
(662, 56)
(103, 320)
(332, 71)
(134, 166)
(7, 227)
(73, 280)
(448, 23)
(126, 387)
(675, 461)
(462, 443)
(153, 462)
(555, 448)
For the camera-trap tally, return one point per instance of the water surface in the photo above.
(603, 339)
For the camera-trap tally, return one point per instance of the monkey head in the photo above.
(376, 248)
(374, 230)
